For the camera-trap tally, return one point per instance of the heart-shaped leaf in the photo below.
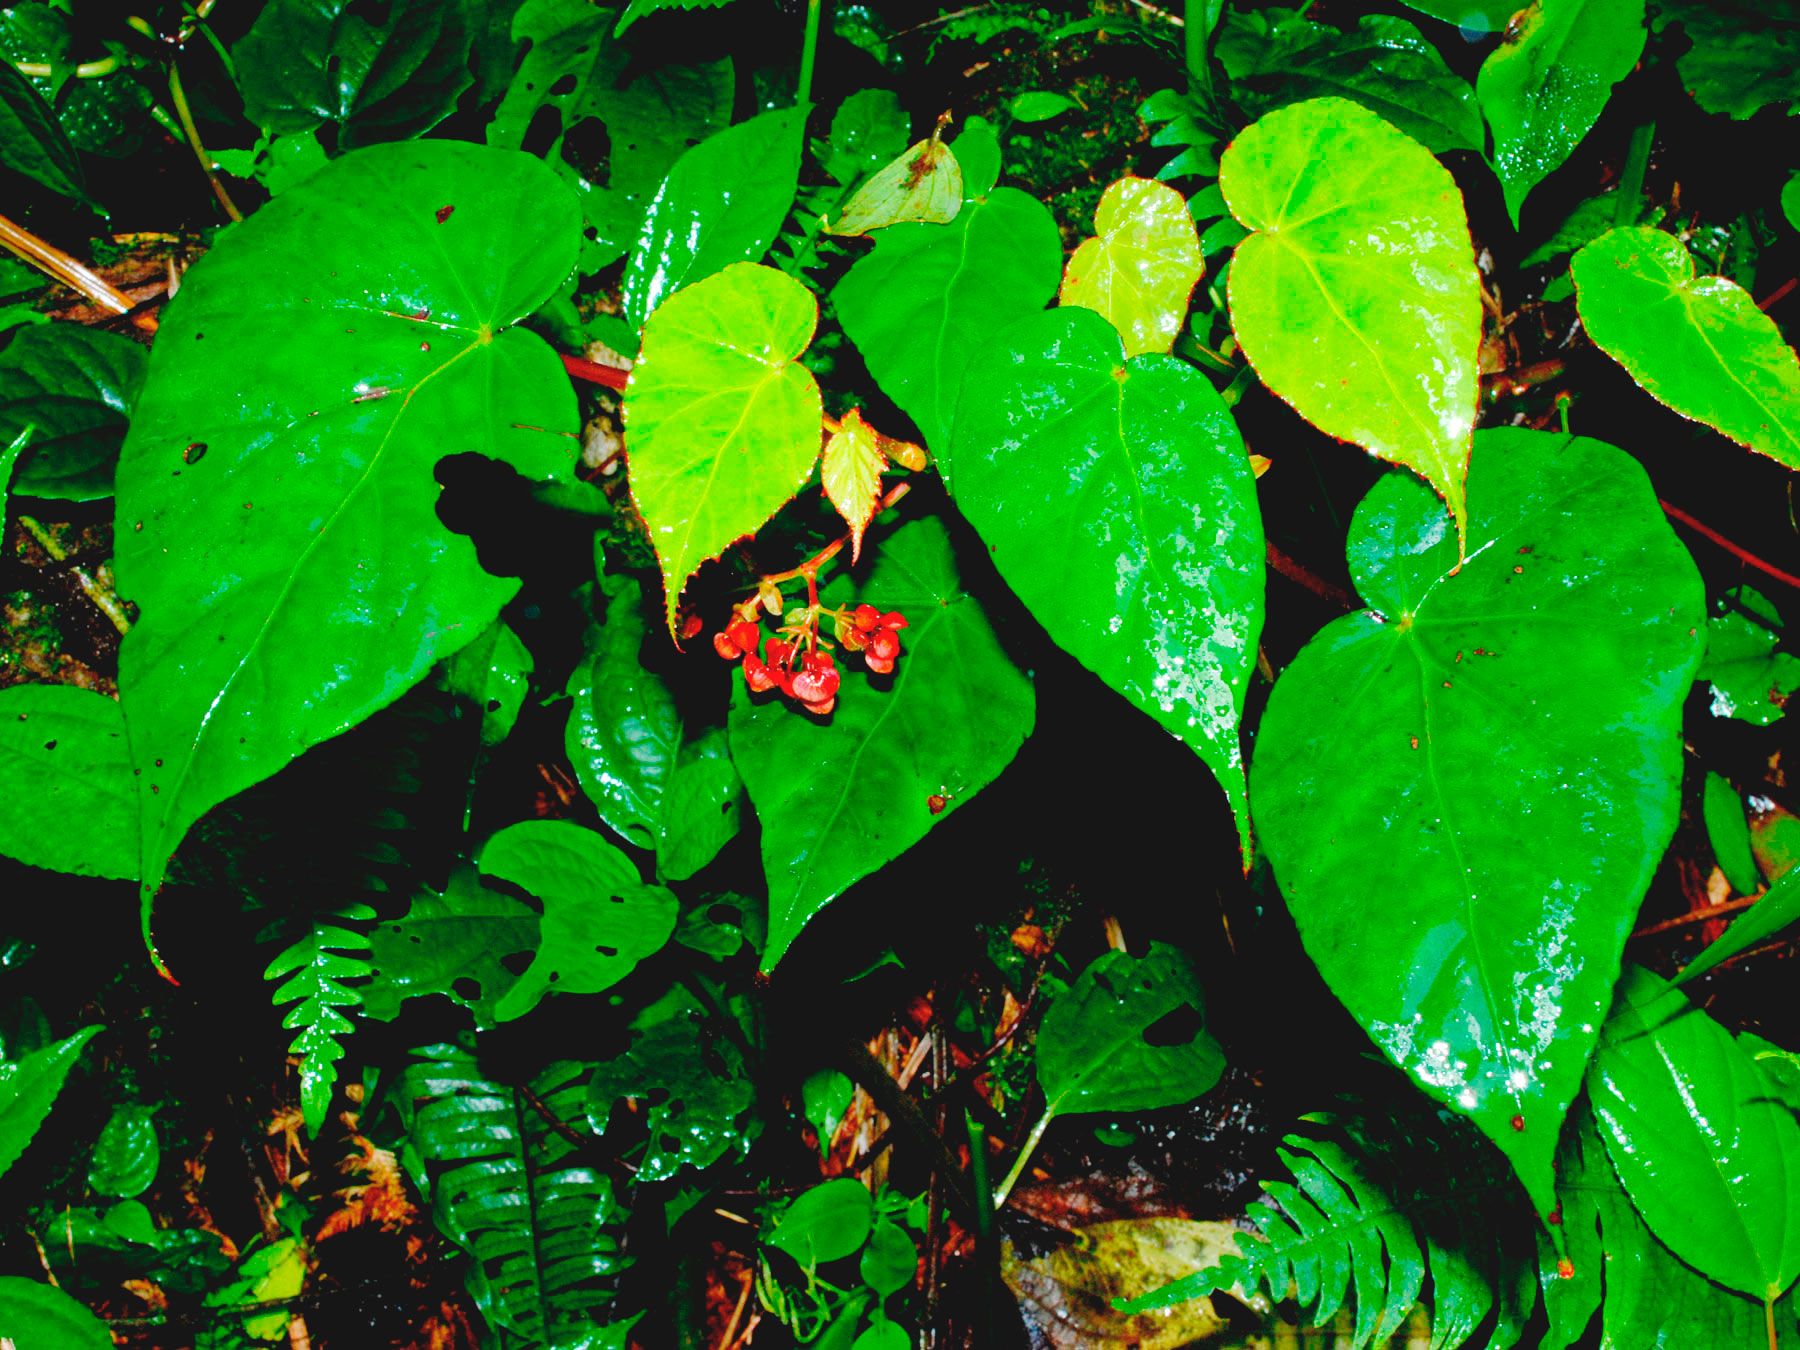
(76, 386)
(1698, 344)
(924, 183)
(930, 296)
(600, 919)
(65, 776)
(451, 944)
(1706, 1148)
(1140, 268)
(1750, 679)
(1545, 84)
(1117, 500)
(1357, 300)
(721, 420)
(278, 516)
(840, 798)
(1506, 738)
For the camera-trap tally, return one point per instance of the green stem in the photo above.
(1193, 41)
(193, 138)
(807, 51)
(1030, 1147)
(87, 70)
(978, 1176)
(1631, 184)
(104, 600)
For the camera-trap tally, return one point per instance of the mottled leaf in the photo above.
(1141, 266)
(924, 183)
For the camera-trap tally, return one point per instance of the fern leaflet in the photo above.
(332, 950)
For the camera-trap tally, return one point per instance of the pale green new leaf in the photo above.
(1142, 265)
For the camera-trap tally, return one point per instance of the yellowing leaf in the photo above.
(721, 423)
(851, 472)
(925, 183)
(1140, 270)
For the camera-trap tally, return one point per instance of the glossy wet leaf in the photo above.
(310, 63)
(824, 1098)
(600, 919)
(1506, 738)
(929, 297)
(691, 1084)
(722, 203)
(32, 141)
(826, 1223)
(65, 775)
(1474, 18)
(1750, 679)
(76, 386)
(28, 1088)
(1707, 1152)
(127, 1154)
(1356, 299)
(721, 420)
(1729, 834)
(291, 568)
(1117, 501)
(39, 1316)
(850, 472)
(1547, 81)
(924, 183)
(1141, 266)
(451, 943)
(1279, 56)
(839, 798)
(1745, 54)
(868, 129)
(574, 74)
(1777, 909)
(1698, 344)
(322, 975)
(494, 673)
(131, 1220)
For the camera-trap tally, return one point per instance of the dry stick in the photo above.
(104, 600)
(737, 1313)
(897, 1106)
(1737, 551)
(1699, 915)
(59, 266)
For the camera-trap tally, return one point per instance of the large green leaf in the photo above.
(1117, 500)
(575, 68)
(1545, 84)
(721, 420)
(277, 511)
(1356, 299)
(1279, 56)
(722, 203)
(28, 1089)
(32, 141)
(1744, 53)
(65, 776)
(838, 800)
(1750, 679)
(310, 63)
(453, 943)
(1504, 738)
(600, 919)
(76, 386)
(1698, 344)
(929, 297)
(37, 1316)
(1710, 1155)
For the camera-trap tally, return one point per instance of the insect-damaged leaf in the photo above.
(923, 184)
(1698, 344)
(721, 420)
(851, 473)
(1506, 738)
(1357, 299)
(1141, 267)
(277, 508)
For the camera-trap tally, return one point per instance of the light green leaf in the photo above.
(1545, 84)
(277, 505)
(38, 1316)
(1356, 299)
(1117, 500)
(65, 775)
(600, 919)
(451, 944)
(28, 1089)
(924, 183)
(1744, 55)
(826, 1223)
(824, 1097)
(890, 1261)
(1779, 907)
(127, 1154)
(1700, 345)
(1142, 265)
(721, 419)
(1039, 105)
(1706, 1150)
(1729, 833)
(76, 386)
(1750, 679)
(1477, 730)
(837, 800)
(313, 971)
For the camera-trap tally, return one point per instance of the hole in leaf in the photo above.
(607, 952)
(546, 125)
(516, 962)
(586, 148)
(49, 745)
(563, 86)
(656, 1096)
(465, 988)
(723, 913)
(1176, 1027)
(670, 1144)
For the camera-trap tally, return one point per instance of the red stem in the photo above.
(1736, 550)
(810, 568)
(594, 373)
(1780, 293)
(1320, 587)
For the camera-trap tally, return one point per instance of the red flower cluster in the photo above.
(795, 664)
(874, 634)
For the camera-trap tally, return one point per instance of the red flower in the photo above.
(815, 684)
(738, 638)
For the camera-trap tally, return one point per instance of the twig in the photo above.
(1521, 379)
(730, 1335)
(1320, 587)
(1736, 550)
(104, 600)
(59, 266)
(193, 139)
(897, 1106)
(1698, 915)
(1779, 293)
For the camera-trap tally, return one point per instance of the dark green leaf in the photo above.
(277, 162)
(1101, 1047)
(1750, 679)
(32, 141)
(1545, 84)
(1698, 1138)
(1278, 56)
(868, 129)
(311, 63)
(722, 203)
(278, 513)
(28, 1089)
(1477, 732)
(127, 1154)
(703, 810)
(41, 1317)
(1745, 53)
(890, 1261)
(1117, 500)
(1729, 833)
(929, 297)
(824, 1097)
(1778, 908)
(1790, 201)
(451, 944)
(600, 919)
(637, 9)
(65, 775)
(76, 385)
(1591, 218)
(494, 673)
(839, 799)
(827, 1223)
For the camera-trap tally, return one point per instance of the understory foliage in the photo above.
(876, 676)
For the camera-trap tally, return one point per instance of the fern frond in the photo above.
(1193, 132)
(313, 970)
(540, 1226)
